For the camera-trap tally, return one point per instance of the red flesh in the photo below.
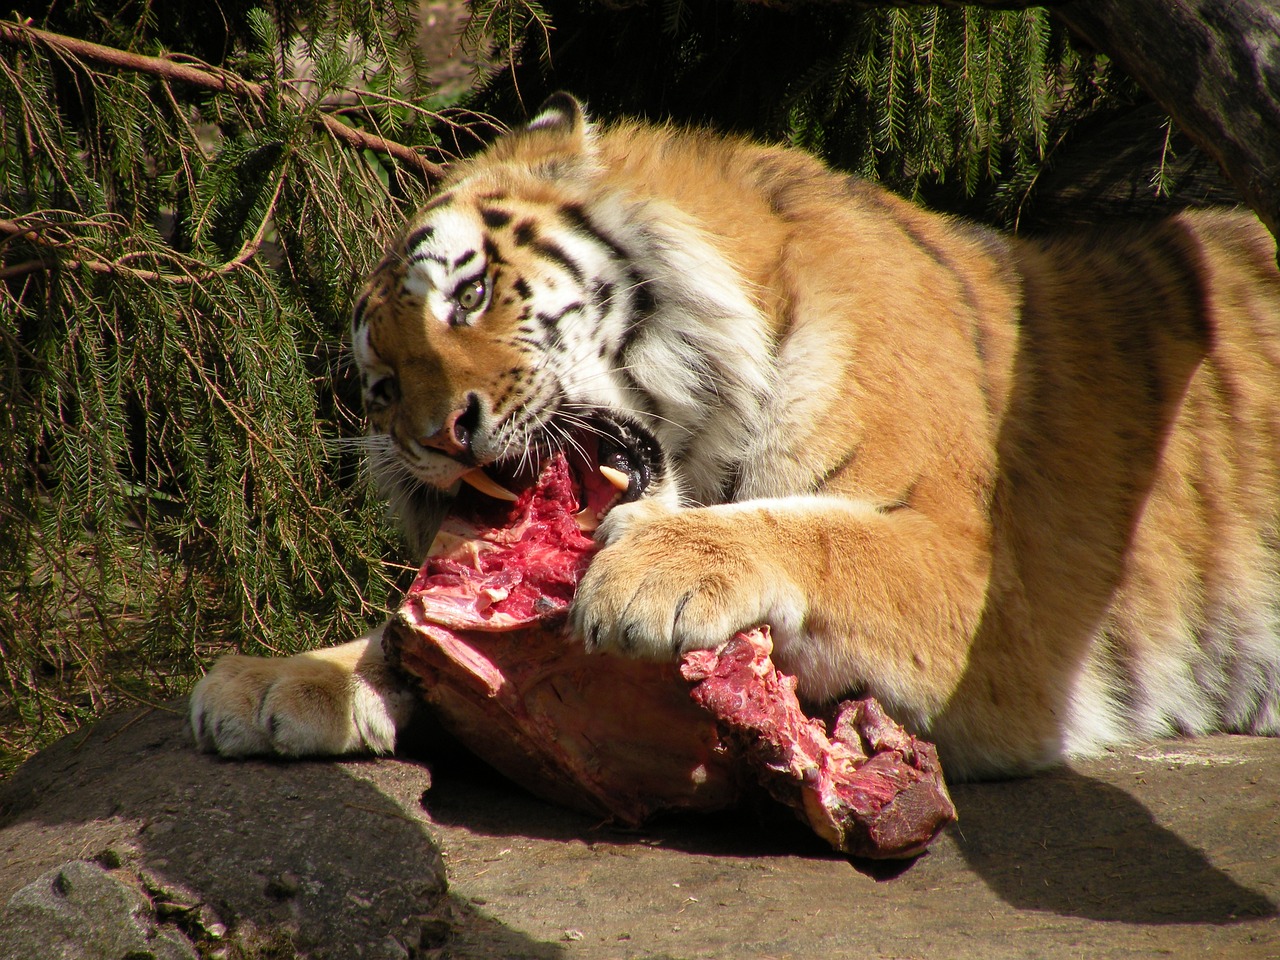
(483, 630)
(867, 787)
(521, 569)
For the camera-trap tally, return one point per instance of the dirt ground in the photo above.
(1165, 850)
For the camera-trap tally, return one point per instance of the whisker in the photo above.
(566, 436)
(646, 415)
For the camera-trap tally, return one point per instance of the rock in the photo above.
(302, 859)
(79, 911)
(1167, 849)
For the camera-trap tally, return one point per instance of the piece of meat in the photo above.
(867, 787)
(482, 629)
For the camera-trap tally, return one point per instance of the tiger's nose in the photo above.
(454, 437)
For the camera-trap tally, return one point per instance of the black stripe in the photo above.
(491, 252)
(1135, 351)
(982, 350)
(643, 300)
(525, 233)
(421, 257)
(416, 239)
(729, 489)
(494, 218)
(464, 259)
(521, 286)
(575, 215)
(439, 203)
(373, 340)
(357, 312)
(933, 251)
(708, 374)
(643, 306)
(551, 322)
(873, 196)
(905, 501)
(602, 292)
(1179, 258)
(980, 345)
(553, 252)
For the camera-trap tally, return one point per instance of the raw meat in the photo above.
(868, 787)
(482, 629)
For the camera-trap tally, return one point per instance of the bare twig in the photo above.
(32, 234)
(208, 77)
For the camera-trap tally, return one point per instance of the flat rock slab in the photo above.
(1170, 849)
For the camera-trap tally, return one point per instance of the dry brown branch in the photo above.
(33, 233)
(207, 77)
(1214, 67)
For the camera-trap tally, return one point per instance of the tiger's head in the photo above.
(489, 333)
(536, 302)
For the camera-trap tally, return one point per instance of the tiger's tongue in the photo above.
(500, 565)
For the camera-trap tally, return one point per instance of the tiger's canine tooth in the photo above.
(616, 478)
(586, 520)
(487, 485)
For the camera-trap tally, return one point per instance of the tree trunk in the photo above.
(1214, 66)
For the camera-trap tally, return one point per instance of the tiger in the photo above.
(1023, 491)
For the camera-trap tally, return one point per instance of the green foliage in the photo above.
(178, 475)
(959, 106)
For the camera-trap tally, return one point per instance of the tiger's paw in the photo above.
(335, 701)
(670, 581)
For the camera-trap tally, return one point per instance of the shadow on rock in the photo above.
(323, 859)
(468, 794)
(1068, 844)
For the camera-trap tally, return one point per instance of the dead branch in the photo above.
(207, 77)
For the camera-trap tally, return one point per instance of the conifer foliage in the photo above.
(960, 106)
(189, 195)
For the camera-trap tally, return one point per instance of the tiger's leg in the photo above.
(342, 699)
(858, 598)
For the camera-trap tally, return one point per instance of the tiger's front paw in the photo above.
(334, 701)
(668, 582)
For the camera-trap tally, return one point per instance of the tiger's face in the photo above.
(490, 333)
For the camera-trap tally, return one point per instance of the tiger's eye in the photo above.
(472, 295)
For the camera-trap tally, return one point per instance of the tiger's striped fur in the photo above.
(1025, 493)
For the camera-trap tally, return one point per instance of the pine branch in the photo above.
(33, 234)
(174, 480)
(206, 77)
(1210, 65)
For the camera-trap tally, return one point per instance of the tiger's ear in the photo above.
(563, 114)
(558, 141)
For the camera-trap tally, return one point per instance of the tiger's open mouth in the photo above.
(611, 459)
(517, 537)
